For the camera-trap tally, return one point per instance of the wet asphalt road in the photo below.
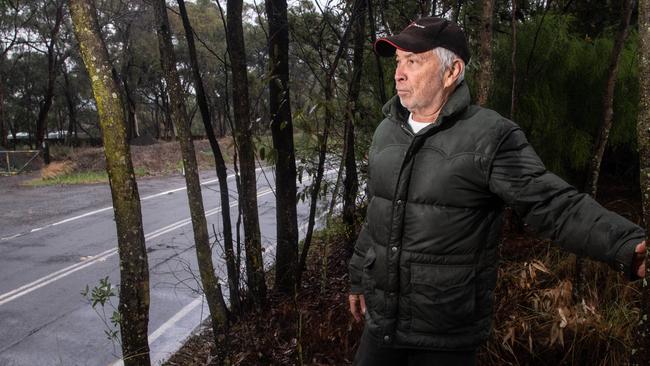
(54, 241)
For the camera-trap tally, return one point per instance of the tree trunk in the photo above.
(455, 11)
(351, 181)
(124, 77)
(373, 39)
(641, 353)
(242, 133)
(485, 53)
(322, 153)
(513, 61)
(591, 185)
(286, 261)
(3, 131)
(72, 111)
(209, 282)
(46, 103)
(134, 270)
(220, 164)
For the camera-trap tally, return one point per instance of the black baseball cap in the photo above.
(426, 34)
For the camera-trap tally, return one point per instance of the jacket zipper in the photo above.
(406, 130)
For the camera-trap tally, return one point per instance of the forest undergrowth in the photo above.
(536, 321)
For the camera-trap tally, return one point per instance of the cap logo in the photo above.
(414, 24)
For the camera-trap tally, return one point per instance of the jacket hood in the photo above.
(457, 102)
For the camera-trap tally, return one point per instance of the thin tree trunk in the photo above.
(513, 61)
(242, 133)
(286, 261)
(329, 95)
(641, 351)
(72, 111)
(485, 53)
(380, 69)
(3, 130)
(351, 181)
(134, 270)
(210, 283)
(46, 103)
(591, 185)
(455, 11)
(219, 162)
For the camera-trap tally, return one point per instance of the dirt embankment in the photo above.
(152, 159)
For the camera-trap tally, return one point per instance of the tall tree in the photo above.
(243, 137)
(513, 60)
(9, 24)
(373, 38)
(641, 353)
(70, 102)
(328, 89)
(591, 185)
(134, 270)
(209, 282)
(485, 53)
(53, 61)
(282, 130)
(351, 182)
(219, 162)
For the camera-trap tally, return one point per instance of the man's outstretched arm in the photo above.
(559, 212)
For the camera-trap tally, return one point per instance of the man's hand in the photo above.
(639, 260)
(357, 306)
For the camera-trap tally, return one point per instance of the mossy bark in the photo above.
(641, 353)
(286, 260)
(134, 270)
(243, 138)
(209, 281)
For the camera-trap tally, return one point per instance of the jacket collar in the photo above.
(457, 102)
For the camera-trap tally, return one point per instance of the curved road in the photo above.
(55, 241)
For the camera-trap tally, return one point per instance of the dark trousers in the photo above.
(371, 353)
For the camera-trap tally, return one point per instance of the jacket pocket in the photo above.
(443, 297)
(369, 281)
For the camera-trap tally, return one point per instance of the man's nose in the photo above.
(399, 74)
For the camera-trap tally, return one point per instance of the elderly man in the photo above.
(440, 171)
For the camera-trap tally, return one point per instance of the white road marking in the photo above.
(45, 280)
(168, 324)
(70, 219)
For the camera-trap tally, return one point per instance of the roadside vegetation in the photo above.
(536, 321)
(296, 86)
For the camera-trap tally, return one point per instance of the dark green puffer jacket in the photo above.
(426, 257)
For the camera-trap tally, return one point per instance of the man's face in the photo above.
(418, 81)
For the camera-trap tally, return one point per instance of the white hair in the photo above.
(447, 58)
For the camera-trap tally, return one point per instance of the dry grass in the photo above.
(57, 169)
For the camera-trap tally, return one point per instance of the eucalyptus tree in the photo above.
(286, 262)
(48, 27)
(134, 269)
(242, 133)
(220, 164)
(209, 281)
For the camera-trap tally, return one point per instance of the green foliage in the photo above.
(102, 294)
(561, 79)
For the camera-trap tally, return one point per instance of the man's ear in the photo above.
(453, 73)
